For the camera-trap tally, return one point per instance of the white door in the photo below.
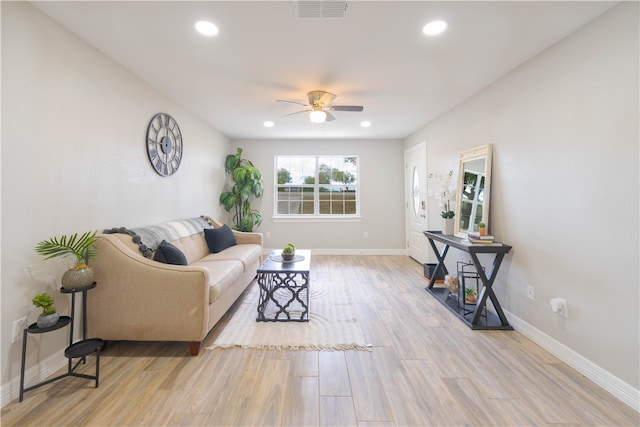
(415, 178)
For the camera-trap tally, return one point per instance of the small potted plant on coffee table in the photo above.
(49, 316)
(288, 252)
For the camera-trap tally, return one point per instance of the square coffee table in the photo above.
(284, 288)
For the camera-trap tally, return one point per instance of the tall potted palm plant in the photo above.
(247, 182)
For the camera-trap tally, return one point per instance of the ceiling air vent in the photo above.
(320, 8)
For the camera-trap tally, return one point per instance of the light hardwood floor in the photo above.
(426, 369)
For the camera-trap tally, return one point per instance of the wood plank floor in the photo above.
(426, 369)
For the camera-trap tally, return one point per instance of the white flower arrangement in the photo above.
(444, 195)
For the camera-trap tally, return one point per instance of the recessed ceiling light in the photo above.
(365, 124)
(434, 28)
(206, 28)
(268, 124)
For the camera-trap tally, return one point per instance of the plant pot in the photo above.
(48, 320)
(288, 257)
(470, 299)
(77, 278)
(447, 225)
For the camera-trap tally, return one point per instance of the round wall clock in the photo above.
(164, 144)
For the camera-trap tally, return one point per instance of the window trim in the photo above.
(313, 218)
(316, 216)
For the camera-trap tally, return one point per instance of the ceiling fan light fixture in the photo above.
(317, 116)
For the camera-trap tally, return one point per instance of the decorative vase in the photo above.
(447, 225)
(77, 277)
(48, 320)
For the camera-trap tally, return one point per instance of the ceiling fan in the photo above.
(318, 106)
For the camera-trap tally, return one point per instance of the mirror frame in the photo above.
(483, 151)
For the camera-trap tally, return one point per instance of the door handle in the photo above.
(423, 216)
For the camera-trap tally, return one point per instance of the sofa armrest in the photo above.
(242, 237)
(140, 299)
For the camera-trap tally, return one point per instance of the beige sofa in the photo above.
(139, 299)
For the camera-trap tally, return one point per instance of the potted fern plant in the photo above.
(469, 296)
(247, 181)
(49, 316)
(82, 247)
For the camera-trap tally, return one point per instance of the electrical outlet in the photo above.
(267, 235)
(560, 306)
(18, 327)
(530, 292)
(366, 235)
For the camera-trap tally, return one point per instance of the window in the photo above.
(316, 186)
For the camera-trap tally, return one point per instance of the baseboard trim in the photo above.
(33, 375)
(612, 384)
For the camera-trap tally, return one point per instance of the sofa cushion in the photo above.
(169, 254)
(248, 255)
(219, 239)
(222, 276)
(193, 247)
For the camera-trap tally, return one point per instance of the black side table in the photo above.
(284, 287)
(80, 349)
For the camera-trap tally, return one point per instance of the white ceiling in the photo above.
(376, 56)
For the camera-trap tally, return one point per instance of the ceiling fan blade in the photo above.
(345, 107)
(321, 97)
(292, 102)
(330, 117)
(297, 112)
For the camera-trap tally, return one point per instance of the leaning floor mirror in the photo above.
(474, 188)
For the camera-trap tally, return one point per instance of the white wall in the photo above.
(564, 129)
(382, 197)
(74, 159)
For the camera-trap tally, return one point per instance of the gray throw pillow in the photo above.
(219, 239)
(169, 254)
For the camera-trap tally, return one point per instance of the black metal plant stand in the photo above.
(80, 349)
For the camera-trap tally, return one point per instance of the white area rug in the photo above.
(332, 324)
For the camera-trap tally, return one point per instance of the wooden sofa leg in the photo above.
(194, 346)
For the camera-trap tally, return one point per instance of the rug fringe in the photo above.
(286, 347)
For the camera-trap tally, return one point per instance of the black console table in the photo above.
(80, 349)
(478, 318)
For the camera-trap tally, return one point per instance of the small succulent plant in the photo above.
(45, 302)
